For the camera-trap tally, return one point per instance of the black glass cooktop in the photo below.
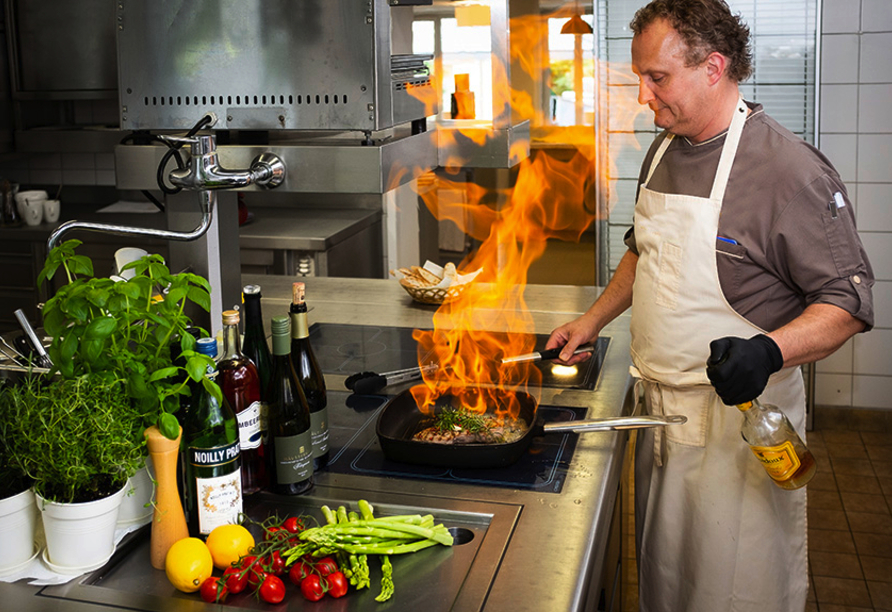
(348, 349)
(355, 449)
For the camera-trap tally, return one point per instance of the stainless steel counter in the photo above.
(538, 551)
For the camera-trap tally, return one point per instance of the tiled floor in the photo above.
(849, 523)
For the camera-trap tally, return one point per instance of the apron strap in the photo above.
(659, 155)
(729, 151)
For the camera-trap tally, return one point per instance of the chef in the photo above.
(744, 256)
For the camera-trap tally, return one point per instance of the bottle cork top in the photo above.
(298, 291)
(230, 317)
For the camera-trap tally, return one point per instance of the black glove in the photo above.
(739, 368)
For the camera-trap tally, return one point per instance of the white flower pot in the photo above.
(139, 492)
(81, 535)
(18, 523)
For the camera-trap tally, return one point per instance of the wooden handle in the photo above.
(169, 521)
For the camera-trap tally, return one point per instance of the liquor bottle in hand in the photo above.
(776, 444)
(310, 375)
(213, 462)
(241, 388)
(290, 447)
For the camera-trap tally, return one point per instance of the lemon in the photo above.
(188, 564)
(229, 542)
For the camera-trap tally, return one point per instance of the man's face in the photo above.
(676, 93)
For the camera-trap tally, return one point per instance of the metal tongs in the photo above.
(545, 355)
(43, 360)
(367, 383)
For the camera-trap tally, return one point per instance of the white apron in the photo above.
(714, 533)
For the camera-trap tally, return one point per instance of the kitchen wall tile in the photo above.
(842, 149)
(79, 177)
(840, 16)
(45, 177)
(45, 161)
(833, 389)
(626, 114)
(873, 102)
(872, 392)
(838, 111)
(874, 153)
(78, 161)
(876, 15)
(874, 209)
(871, 353)
(105, 177)
(874, 63)
(879, 249)
(882, 303)
(839, 58)
(627, 151)
(105, 161)
(839, 362)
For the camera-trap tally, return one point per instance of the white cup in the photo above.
(31, 211)
(51, 210)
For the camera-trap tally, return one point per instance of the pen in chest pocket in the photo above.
(835, 204)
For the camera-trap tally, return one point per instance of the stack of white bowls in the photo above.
(35, 207)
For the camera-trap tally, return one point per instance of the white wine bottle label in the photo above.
(249, 430)
(294, 458)
(219, 500)
(319, 431)
(780, 462)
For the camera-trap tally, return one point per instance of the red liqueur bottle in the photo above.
(240, 383)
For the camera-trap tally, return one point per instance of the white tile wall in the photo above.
(856, 134)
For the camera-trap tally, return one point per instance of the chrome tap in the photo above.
(205, 172)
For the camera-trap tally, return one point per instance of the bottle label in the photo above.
(781, 462)
(215, 456)
(249, 426)
(219, 500)
(294, 458)
(319, 431)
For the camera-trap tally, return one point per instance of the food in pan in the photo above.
(459, 426)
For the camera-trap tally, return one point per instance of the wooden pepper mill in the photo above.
(169, 521)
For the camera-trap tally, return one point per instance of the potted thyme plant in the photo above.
(18, 514)
(78, 431)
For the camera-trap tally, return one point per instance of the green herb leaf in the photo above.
(200, 297)
(100, 328)
(68, 347)
(163, 373)
(169, 426)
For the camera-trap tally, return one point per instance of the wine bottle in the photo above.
(290, 446)
(213, 461)
(254, 345)
(776, 444)
(310, 375)
(241, 388)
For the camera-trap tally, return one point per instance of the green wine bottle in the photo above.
(310, 375)
(254, 346)
(213, 461)
(290, 446)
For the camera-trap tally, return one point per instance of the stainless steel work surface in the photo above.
(436, 578)
(303, 229)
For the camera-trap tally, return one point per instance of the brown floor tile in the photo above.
(879, 453)
(876, 569)
(859, 484)
(851, 467)
(847, 451)
(811, 606)
(882, 469)
(828, 540)
(824, 480)
(876, 438)
(836, 608)
(835, 565)
(873, 544)
(886, 485)
(842, 591)
(869, 522)
(840, 436)
(827, 519)
(881, 595)
(825, 500)
(863, 502)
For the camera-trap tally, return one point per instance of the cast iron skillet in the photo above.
(400, 419)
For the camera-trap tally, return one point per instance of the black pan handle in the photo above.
(369, 384)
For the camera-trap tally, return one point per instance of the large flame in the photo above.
(552, 197)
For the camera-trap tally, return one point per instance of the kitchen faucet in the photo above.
(204, 175)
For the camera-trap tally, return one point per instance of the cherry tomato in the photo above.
(256, 573)
(325, 566)
(275, 564)
(299, 571)
(311, 588)
(337, 584)
(272, 590)
(236, 579)
(293, 524)
(273, 533)
(213, 590)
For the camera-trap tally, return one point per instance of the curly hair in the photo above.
(705, 26)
